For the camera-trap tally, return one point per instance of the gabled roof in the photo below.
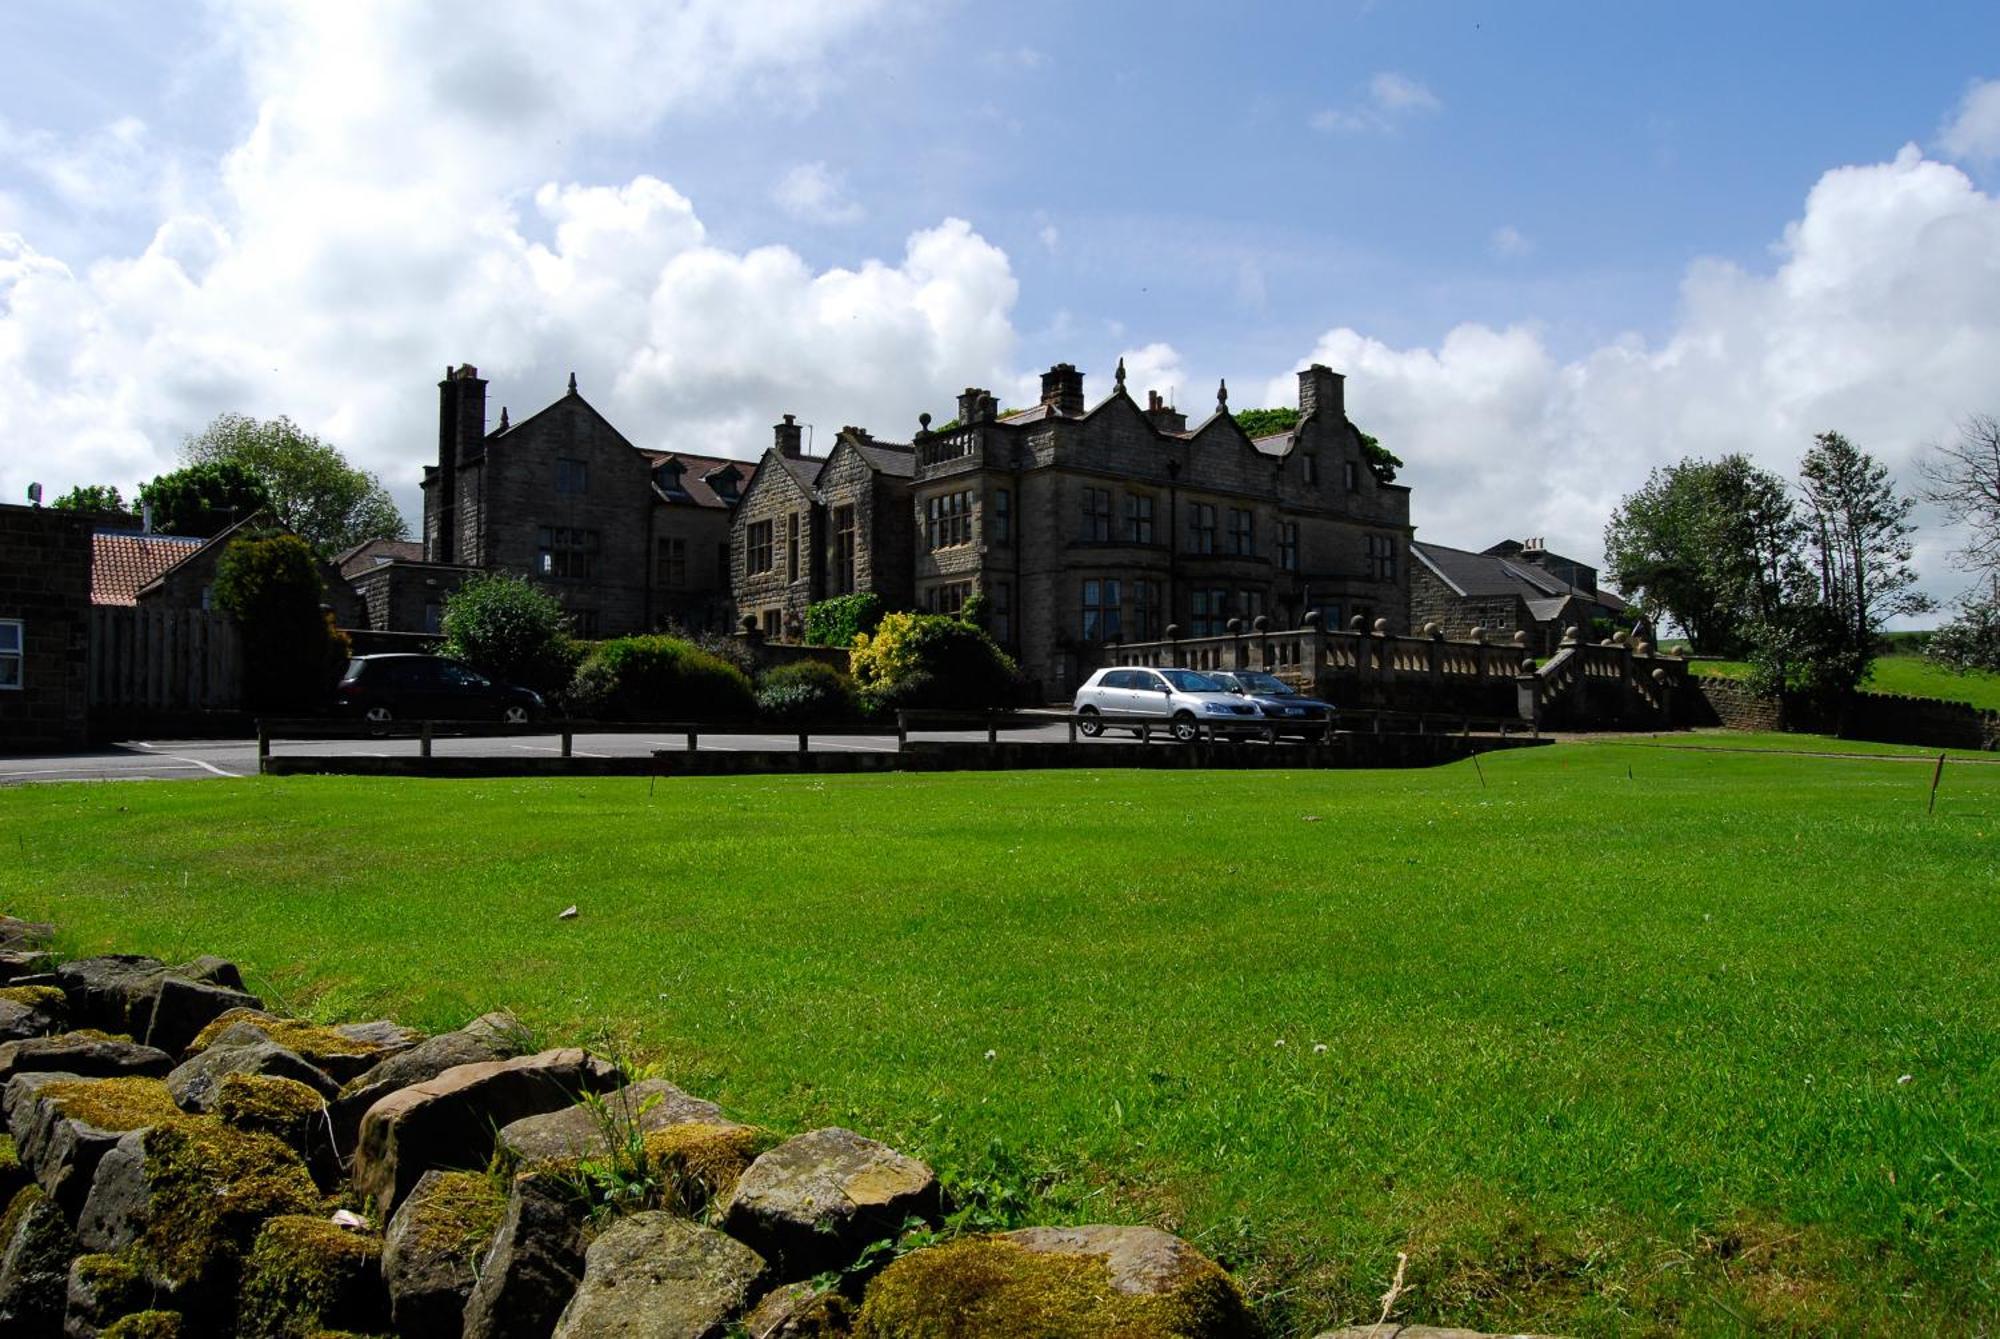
(698, 476)
(214, 542)
(371, 553)
(122, 562)
(1477, 574)
(895, 459)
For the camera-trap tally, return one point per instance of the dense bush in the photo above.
(806, 692)
(292, 653)
(511, 630)
(1969, 642)
(837, 622)
(730, 650)
(933, 660)
(658, 678)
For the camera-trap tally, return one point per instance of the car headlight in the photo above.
(1216, 708)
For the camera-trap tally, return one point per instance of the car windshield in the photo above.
(1266, 683)
(1187, 681)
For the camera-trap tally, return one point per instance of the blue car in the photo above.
(1285, 710)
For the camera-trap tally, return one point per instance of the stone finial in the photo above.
(1381, 627)
(1234, 627)
(1660, 677)
(1478, 635)
(1262, 623)
(1570, 635)
(572, 383)
(1434, 632)
(1118, 377)
(1311, 621)
(1358, 623)
(1173, 632)
(1222, 397)
(924, 421)
(1521, 637)
(503, 418)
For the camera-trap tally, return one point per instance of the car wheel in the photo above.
(1185, 729)
(515, 715)
(379, 715)
(1087, 723)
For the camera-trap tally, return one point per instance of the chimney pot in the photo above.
(1062, 389)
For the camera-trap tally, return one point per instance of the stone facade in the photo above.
(1088, 526)
(190, 583)
(628, 540)
(44, 628)
(1511, 587)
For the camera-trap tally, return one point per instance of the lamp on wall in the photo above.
(35, 494)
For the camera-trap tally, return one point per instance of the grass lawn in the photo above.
(1622, 1040)
(1908, 675)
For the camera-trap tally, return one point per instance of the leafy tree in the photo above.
(203, 499)
(511, 630)
(292, 652)
(1972, 640)
(1859, 538)
(91, 498)
(1704, 544)
(1964, 479)
(312, 489)
(932, 660)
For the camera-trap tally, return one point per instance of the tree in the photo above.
(1964, 479)
(203, 499)
(511, 630)
(1858, 537)
(91, 498)
(1972, 640)
(1704, 544)
(292, 652)
(312, 489)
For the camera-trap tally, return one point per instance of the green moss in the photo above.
(114, 1104)
(266, 1104)
(211, 1187)
(145, 1325)
(12, 1174)
(458, 1216)
(94, 1034)
(990, 1289)
(35, 997)
(306, 1274)
(705, 1159)
(309, 1040)
(108, 1275)
(26, 1198)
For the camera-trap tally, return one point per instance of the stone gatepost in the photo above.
(1236, 657)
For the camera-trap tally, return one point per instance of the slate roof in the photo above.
(372, 553)
(123, 561)
(1477, 574)
(697, 487)
(892, 458)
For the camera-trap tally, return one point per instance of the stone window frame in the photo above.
(13, 654)
(1208, 611)
(1201, 527)
(565, 553)
(1309, 467)
(949, 597)
(1139, 509)
(1242, 532)
(670, 570)
(572, 474)
(846, 531)
(1350, 472)
(792, 547)
(1381, 557)
(1100, 619)
(1000, 609)
(1003, 516)
(1096, 514)
(1288, 546)
(1147, 609)
(948, 520)
(760, 548)
(1249, 604)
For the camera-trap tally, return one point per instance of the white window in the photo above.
(12, 643)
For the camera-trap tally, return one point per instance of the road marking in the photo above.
(557, 748)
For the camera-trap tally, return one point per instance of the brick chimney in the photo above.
(1164, 416)
(1322, 388)
(1062, 390)
(977, 405)
(461, 435)
(787, 434)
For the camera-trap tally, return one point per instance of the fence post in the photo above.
(992, 725)
(693, 741)
(1072, 727)
(565, 741)
(263, 741)
(424, 740)
(902, 731)
(803, 736)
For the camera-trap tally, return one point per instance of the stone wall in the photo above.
(1884, 718)
(45, 584)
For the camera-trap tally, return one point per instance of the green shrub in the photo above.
(659, 678)
(837, 622)
(292, 652)
(730, 650)
(806, 692)
(1969, 642)
(511, 630)
(933, 660)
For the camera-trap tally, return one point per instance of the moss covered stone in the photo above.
(105, 1287)
(35, 997)
(704, 1161)
(306, 1275)
(315, 1043)
(993, 1287)
(12, 1174)
(431, 1252)
(266, 1104)
(146, 1325)
(113, 1104)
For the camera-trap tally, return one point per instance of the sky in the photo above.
(1552, 246)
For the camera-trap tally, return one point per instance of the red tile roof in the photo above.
(122, 562)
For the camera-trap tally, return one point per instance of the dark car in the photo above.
(1286, 711)
(428, 688)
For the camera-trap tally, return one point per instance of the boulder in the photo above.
(534, 1265)
(190, 1195)
(588, 1129)
(12, 1174)
(144, 998)
(241, 1050)
(388, 1038)
(101, 1289)
(16, 933)
(656, 1276)
(342, 1057)
(64, 1125)
(149, 1324)
(88, 1054)
(1057, 1281)
(813, 1202)
(449, 1121)
(494, 1036)
(35, 1249)
(433, 1246)
(32, 1011)
(307, 1275)
(800, 1311)
(16, 963)
(290, 1112)
(216, 971)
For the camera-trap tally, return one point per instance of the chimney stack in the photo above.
(1164, 416)
(1062, 390)
(787, 434)
(976, 405)
(461, 435)
(1323, 389)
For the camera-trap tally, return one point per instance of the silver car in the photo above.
(1185, 702)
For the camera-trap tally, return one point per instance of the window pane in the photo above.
(10, 637)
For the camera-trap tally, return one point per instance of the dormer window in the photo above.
(724, 481)
(670, 477)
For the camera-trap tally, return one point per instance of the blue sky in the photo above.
(1552, 245)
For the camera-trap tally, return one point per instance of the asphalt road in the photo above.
(200, 759)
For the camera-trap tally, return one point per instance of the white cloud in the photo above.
(1391, 99)
(1880, 319)
(1050, 237)
(1510, 242)
(815, 194)
(1972, 135)
(1155, 367)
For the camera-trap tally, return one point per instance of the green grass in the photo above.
(1615, 1042)
(1907, 675)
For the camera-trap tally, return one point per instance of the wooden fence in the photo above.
(164, 659)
